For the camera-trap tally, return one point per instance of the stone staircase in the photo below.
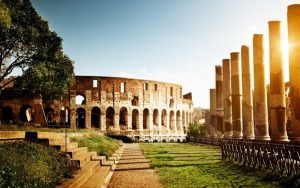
(95, 171)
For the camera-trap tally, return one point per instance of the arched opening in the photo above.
(80, 118)
(135, 119)
(155, 117)
(146, 119)
(49, 114)
(123, 121)
(80, 99)
(172, 120)
(171, 104)
(26, 113)
(178, 120)
(164, 118)
(7, 114)
(183, 122)
(135, 101)
(110, 114)
(95, 117)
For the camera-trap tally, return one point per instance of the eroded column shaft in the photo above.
(260, 92)
(227, 121)
(213, 113)
(219, 98)
(294, 63)
(277, 87)
(248, 120)
(236, 95)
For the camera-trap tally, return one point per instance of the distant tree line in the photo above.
(28, 44)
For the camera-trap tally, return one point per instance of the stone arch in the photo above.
(95, 117)
(172, 120)
(155, 117)
(80, 99)
(26, 113)
(7, 114)
(172, 103)
(80, 118)
(49, 114)
(178, 119)
(110, 116)
(135, 119)
(164, 118)
(123, 120)
(146, 118)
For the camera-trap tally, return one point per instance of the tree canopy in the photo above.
(27, 43)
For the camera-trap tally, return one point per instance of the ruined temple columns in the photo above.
(236, 95)
(277, 86)
(248, 124)
(260, 93)
(227, 121)
(213, 113)
(219, 100)
(294, 63)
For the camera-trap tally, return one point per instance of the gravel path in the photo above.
(133, 170)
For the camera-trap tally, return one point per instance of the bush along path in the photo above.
(133, 170)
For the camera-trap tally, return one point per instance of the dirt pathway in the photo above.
(133, 170)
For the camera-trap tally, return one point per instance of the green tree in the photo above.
(26, 42)
(5, 19)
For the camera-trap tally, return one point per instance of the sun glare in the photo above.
(285, 53)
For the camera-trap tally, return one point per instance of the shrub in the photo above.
(25, 164)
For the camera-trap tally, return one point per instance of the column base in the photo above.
(262, 138)
(281, 138)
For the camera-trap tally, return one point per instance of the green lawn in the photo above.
(195, 165)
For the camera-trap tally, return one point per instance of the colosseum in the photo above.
(143, 110)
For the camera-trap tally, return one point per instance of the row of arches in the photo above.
(25, 114)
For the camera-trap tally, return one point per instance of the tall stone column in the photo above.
(260, 92)
(277, 86)
(227, 118)
(294, 63)
(219, 96)
(248, 119)
(236, 95)
(213, 113)
(129, 120)
(88, 118)
(103, 120)
(207, 124)
(159, 121)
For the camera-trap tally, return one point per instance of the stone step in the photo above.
(50, 135)
(98, 178)
(82, 159)
(56, 141)
(70, 145)
(81, 176)
(77, 151)
(105, 162)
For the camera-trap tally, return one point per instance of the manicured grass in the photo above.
(103, 145)
(194, 165)
(24, 164)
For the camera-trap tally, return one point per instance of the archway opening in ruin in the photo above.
(135, 101)
(171, 104)
(178, 120)
(80, 118)
(95, 117)
(80, 99)
(164, 118)
(146, 119)
(172, 120)
(155, 117)
(110, 114)
(49, 114)
(135, 119)
(7, 114)
(123, 120)
(26, 113)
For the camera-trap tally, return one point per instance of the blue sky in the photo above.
(177, 41)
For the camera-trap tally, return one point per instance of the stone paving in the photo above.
(133, 170)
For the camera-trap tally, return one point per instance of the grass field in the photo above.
(194, 165)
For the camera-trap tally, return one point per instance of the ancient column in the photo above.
(219, 98)
(277, 86)
(260, 91)
(236, 95)
(227, 121)
(207, 124)
(213, 113)
(247, 110)
(294, 63)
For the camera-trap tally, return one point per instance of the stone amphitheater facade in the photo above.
(141, 109)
